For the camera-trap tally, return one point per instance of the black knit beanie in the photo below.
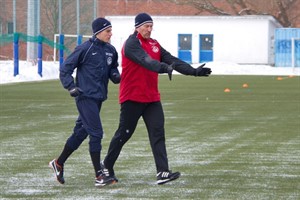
(141, 19)
(100, 24)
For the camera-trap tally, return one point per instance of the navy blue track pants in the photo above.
(87, 124)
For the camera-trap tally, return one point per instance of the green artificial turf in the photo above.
(242, 144)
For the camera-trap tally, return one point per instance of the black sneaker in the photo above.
(104, 177)
(166, 176)
(58, 171)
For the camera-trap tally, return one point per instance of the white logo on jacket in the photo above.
(109, 60)
(155, 49)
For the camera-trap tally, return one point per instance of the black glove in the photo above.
(165, 68)
(202, 71)
(116, 78)
(169, 71)
(74, 92)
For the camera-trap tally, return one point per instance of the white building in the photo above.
(195, 39)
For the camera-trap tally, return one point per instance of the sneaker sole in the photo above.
(104, 184)
(161, 182)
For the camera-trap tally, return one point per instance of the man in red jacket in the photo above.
(142, 59)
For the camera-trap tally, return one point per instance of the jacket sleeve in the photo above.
(178, 65)
(134, 51)
(114, 74)
(67, 68)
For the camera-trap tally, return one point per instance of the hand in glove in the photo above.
(202, 71)
(169, 71)
(74, 92)
(165, 68)
(116, 78)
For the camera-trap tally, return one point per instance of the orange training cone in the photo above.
(245, 85)
(227, 90)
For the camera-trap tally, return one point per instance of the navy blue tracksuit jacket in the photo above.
(95, 62)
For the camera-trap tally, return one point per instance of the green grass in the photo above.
(244, 144)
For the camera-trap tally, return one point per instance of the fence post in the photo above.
(40, 55)
(16, 54)
(79, 39)
(61, 49)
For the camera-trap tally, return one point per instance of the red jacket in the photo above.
(142, 60)
(139, 83)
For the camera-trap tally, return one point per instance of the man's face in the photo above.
(105, 35)
(145, 30)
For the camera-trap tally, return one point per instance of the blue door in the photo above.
(287, 47)
(185, 47)
(206, 48)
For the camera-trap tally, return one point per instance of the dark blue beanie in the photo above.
(141, 19)
(100, 24)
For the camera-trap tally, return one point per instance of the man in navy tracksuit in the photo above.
(96, 61)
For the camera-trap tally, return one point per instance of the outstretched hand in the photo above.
(202, 71)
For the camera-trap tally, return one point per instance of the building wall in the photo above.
(244, 39)
(6, 14)
(154, 7)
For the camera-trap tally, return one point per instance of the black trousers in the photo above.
(153, 117)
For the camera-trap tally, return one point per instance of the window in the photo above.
(10, 27)
(185, 41)
(206, 42)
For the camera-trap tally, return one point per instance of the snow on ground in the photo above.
(29, 71)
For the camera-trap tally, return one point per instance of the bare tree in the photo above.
(50, 20)
(285, 11)
(50, 17)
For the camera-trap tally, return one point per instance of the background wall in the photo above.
(244, 39)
